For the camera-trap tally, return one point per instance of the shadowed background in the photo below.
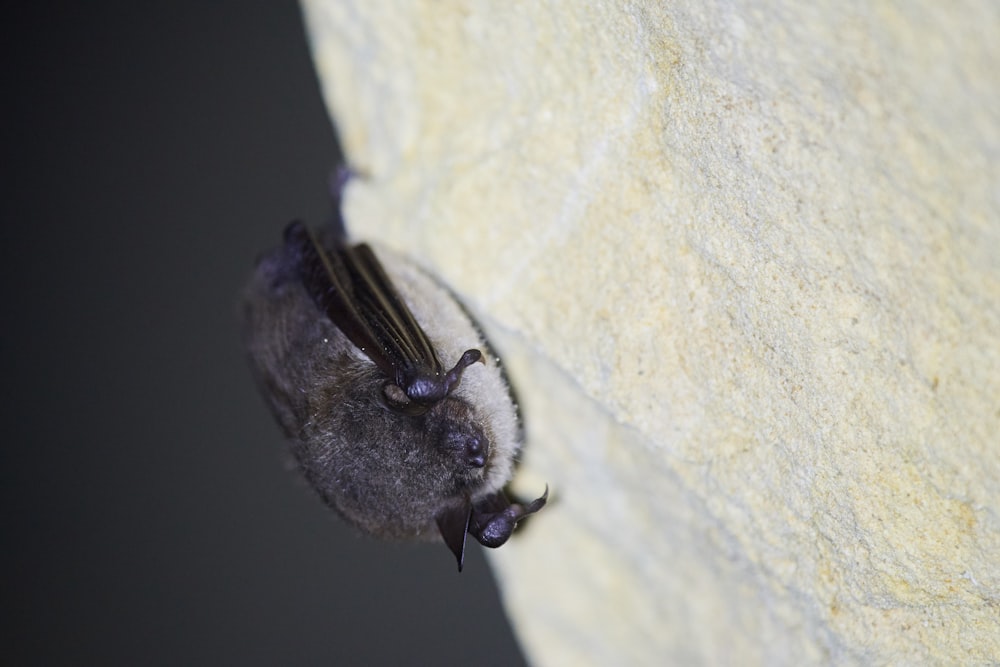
(149, 514)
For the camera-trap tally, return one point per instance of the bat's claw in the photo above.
(493, 520)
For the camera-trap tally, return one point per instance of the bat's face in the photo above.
(391, 474)
(398, 444)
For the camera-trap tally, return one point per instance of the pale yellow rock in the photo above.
(744, 264)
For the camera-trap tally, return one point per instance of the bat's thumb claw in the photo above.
(493, 525)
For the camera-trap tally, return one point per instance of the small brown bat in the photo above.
(397, 412)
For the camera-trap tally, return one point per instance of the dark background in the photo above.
(150, 152)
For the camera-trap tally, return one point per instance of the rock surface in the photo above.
(743, 263)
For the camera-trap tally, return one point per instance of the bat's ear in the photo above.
(453, 523)
(494, 517)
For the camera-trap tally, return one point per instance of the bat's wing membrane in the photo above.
(349, 284)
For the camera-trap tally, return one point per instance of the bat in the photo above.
(395, 407)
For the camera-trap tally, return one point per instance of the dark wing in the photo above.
(349, 284)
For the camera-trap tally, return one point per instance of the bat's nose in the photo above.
(475, 451)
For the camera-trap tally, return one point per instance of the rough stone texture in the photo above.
(744, 264)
